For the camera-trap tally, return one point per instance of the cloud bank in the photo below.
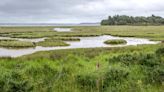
(74, 11)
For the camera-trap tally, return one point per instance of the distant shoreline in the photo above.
(46, 24)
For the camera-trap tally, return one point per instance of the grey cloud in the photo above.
(74, 10)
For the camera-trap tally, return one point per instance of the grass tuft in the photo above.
(116, 41)
(52, 43)
(63, 39)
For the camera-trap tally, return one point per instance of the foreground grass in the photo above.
(116, 42)
(126, 69)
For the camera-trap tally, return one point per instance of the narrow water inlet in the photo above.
(63, 29)
(29, 40)
(85, 42)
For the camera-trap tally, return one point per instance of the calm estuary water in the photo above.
(85, 42)
(63, 29)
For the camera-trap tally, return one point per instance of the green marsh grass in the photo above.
(50, 43)
(9, 43)
(121, 69)
(150, 32)
(62, 39)
(76, 70)
(116, 42)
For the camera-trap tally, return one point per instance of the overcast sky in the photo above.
(74, 11)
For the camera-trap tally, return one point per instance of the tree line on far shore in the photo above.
(130, 20)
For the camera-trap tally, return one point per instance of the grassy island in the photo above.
(115, 41)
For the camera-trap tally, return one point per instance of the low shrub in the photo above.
(14, 82)
(115, 76)
(148, 59)
(160, 51)
(156, 75)
(86, 82)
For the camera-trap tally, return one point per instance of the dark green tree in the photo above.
(130, 20)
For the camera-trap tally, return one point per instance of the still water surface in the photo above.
(85, 42)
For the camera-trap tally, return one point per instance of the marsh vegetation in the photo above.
(63, 39)
(9, 43)
(150, 32)
(120, 69)
(116, 41)
(51, 43)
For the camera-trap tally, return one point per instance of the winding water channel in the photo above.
(85, 42)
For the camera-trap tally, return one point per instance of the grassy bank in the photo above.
(124, 69)
(9, 43)
(52, 43)
(150, 32)
(63, 39)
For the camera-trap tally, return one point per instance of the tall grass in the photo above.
(80, 70)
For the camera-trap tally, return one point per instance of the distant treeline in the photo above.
(130, 20)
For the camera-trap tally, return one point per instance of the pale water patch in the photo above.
(33, 40)
(92, 42)
(29, 40)
(85, 42)
(63, 29)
